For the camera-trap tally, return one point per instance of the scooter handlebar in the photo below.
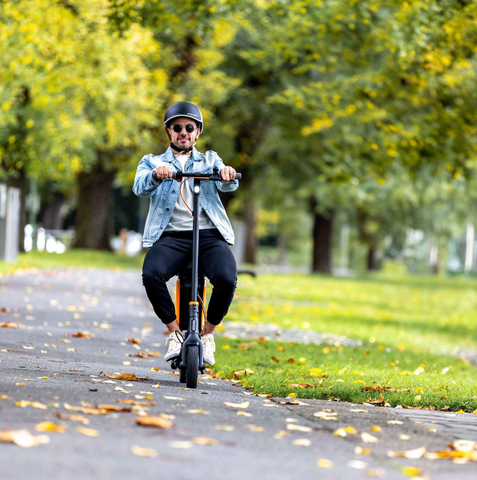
(205, 176)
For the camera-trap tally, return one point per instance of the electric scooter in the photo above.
(191, 313)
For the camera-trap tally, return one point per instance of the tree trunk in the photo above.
(322, 236)
(53, 213)
(94, 218)
(251, 241)
(371, 260)
(22, 184)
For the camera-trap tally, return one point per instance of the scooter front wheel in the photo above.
(192, 368)
(182, 377)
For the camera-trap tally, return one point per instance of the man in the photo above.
(168, 229)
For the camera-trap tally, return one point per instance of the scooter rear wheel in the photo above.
(192, 368)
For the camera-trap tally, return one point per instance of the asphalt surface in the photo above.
(256, 441)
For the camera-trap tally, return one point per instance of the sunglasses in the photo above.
(178, 128)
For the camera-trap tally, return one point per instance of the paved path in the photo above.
(259, 443)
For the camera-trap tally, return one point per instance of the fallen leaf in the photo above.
(89, 432)
(26, 403)
(357, 464)
(181, 444)
(324, 463)
(150, 421)
(463, 445)
(126, 376)
(342, 432)
(73, 418)
(238, 405)
(23, 438)
(326, 415)
(362, 451)
(240, 373)
(358, 410)
(205, 441)
(374, 402)
(367, 438)
(254, 428)
(376, 428)
(28, 348)
(395, 422)
(79, 335)
(299, 428)
(415, 453)
(134, 402)
(85, 410)
(134, 340)
(172, 398)
(245, 414)
(203, 412)
(144, 452)
(227, 428)
(404, 437)
(50, 427)
(301, 442)
(301, 385)
(375, 472)
(412, 471)
(114, 408)
(8, 325)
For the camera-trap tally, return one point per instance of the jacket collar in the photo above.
(195, 156)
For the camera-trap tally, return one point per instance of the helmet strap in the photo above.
(181, 151)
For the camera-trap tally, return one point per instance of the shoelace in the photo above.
(179, 338)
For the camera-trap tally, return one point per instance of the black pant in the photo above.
(172, 252)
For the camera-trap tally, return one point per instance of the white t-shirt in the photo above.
(181, 219)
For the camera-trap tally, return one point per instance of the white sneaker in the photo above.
(209, 348)
(175, 346)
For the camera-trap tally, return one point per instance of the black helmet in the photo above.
(184, 109)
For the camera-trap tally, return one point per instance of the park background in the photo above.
(352, 123)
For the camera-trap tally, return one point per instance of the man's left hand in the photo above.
(227, 173)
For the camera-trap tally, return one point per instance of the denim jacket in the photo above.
(164, 193)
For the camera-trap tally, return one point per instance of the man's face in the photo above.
(183, 139)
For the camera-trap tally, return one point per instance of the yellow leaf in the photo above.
(415, 453)
(227, 428)
(412, 471)
(50, 427)
(367, 438)
(203, 412)
(73, 418)
(376, 428)
(292, 395)
(238, 405)
(23, 438)
(324, 463)
(225, 347)
(245, 414)
(351, 430)
(300, 428)
(255, 428)
(144, 452)
(301, 442)
(150, 421)
(205, 441)
(89, 432)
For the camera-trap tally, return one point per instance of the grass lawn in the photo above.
(409, 326)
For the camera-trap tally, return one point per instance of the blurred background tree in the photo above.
(342, 116)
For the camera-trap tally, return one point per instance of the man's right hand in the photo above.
(163, 171)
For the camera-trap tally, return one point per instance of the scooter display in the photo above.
(191, 313)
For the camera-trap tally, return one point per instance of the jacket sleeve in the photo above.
(144, 184)
(225, 186)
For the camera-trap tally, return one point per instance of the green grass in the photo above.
(72, 258)
(340, 373)
(403, 321)
(436, 315)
